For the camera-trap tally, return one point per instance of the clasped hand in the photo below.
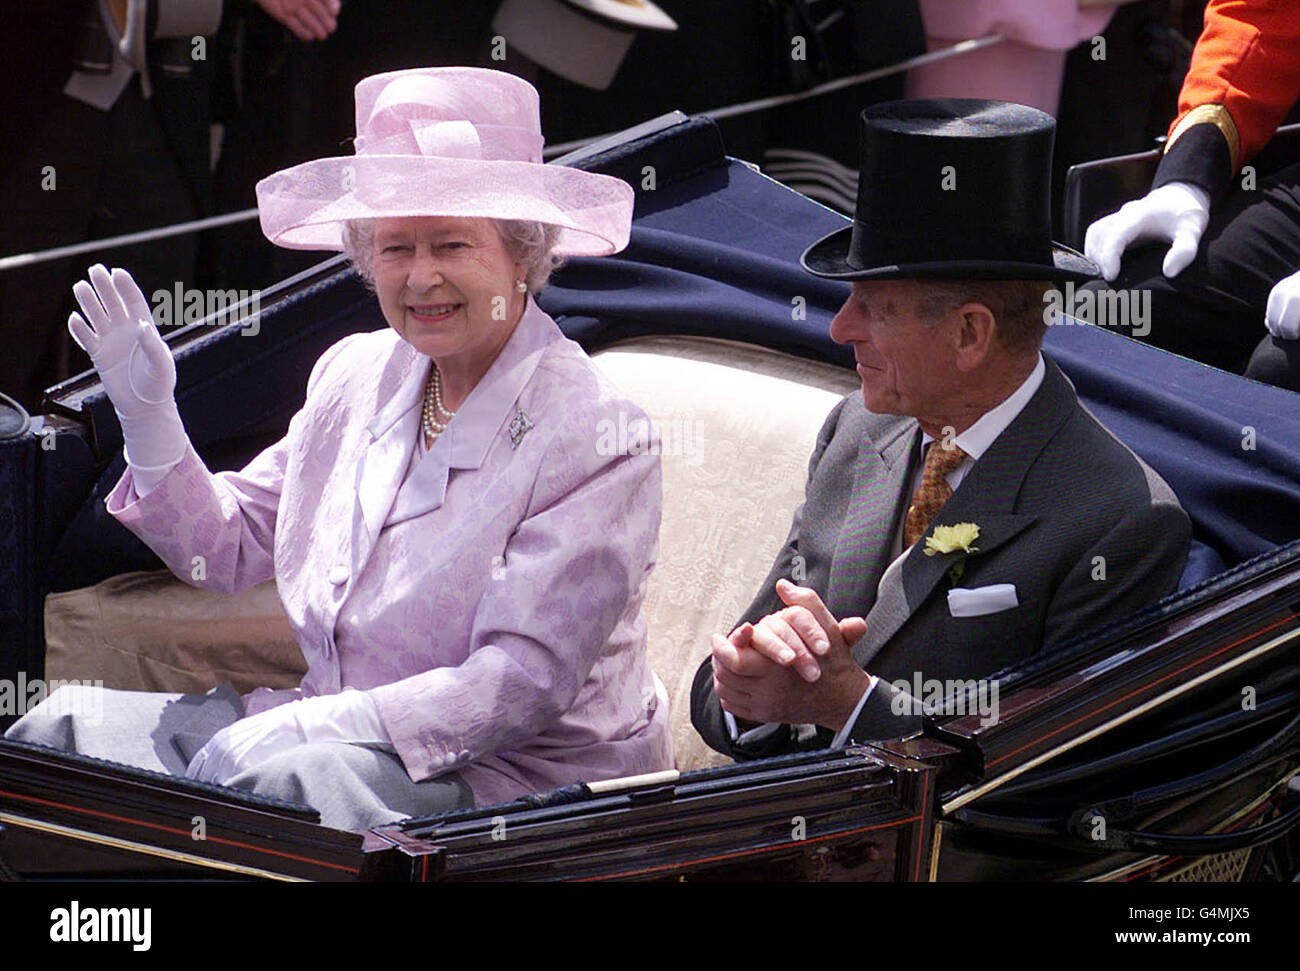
(794, 666)
(307, 19)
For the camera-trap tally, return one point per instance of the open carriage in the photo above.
(1159, 747)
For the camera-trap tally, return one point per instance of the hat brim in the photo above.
(828, 258)
(642, 14)
(304, 207)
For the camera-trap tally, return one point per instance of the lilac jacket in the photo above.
(490, 600)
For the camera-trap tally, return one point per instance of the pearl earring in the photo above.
(521, 286)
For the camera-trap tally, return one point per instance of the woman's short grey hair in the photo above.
(531, 244)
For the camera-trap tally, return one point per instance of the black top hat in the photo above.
(951, 188)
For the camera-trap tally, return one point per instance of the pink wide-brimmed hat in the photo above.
(445, 141)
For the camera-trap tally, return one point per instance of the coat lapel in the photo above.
(907, 588)
(392, 433)
(862, 548)
(382, 494)
(986, 497)
(424, 491)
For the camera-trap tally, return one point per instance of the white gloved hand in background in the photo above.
(1282, 317)
(1176, 213)
(349, 716)
(136, 368)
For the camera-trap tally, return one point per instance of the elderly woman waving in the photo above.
(464, 570)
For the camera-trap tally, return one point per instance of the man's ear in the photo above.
(976, 332)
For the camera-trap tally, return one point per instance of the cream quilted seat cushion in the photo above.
(738, 424)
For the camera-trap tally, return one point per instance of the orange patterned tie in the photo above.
(933, 491)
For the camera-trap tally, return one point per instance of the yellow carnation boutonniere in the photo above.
(953, 539)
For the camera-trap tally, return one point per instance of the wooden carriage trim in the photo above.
(1167, 869)
(1142, 709)
(172, 830)
(937, 841)
(751, 852)
(143, 848)
(1154, 864)
(920, 831)
(1190, 664)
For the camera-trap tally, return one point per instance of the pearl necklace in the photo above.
(433, 406)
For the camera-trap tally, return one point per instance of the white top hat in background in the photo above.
(581, 40)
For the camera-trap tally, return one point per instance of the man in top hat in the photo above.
(964, 511)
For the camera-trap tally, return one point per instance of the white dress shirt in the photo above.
(974, 441)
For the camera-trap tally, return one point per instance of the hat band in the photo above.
(867, 250)
(455, 139)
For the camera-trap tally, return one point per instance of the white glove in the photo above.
(349, 716)
(136, 368)
(1176, 213)
(1283, 315)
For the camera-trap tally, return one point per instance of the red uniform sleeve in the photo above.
(1248, 60)
(1247, 63)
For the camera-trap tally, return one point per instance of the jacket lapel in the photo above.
(986, 497)
(907, 588)
(424, 491)
(384, 498)
(862, 548)
(392, 432)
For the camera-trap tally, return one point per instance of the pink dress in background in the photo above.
(1026, 68)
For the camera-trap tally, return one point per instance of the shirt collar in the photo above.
(975, 441)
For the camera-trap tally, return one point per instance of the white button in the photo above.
(338, 574)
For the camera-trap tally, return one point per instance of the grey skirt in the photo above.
(352, 786)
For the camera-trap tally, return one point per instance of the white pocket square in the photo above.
(982, 600)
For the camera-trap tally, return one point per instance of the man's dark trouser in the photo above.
(1214, 310)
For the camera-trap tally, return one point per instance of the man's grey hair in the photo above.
(1017, 306)
(531, 244)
